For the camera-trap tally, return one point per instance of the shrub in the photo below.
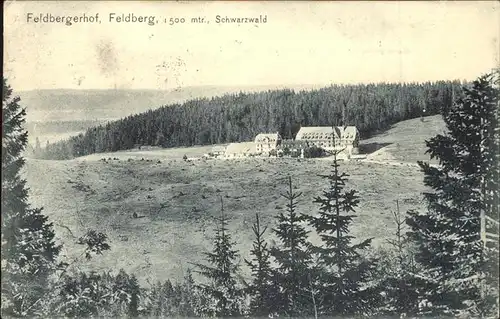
(314, 151)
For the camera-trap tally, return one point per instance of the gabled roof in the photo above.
(350, 132)
(294, 143)
(241, 148)
(325, 132)
(264, 137)
(317, 133)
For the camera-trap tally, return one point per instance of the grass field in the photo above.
(177, 200)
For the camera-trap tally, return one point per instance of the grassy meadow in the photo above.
(176, 201)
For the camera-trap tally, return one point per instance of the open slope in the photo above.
(405, 141)
(176, 200)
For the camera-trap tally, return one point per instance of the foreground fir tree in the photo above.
(28, 250)
(262, 288)
(126, 291)
(99, 295)
(187, 297)
(223, 296)
(344, 272)
(162, 299)
(293, 260)
(458, 275)
(396, 268)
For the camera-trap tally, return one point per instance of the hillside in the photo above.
(240, 117)
(103, 105)
(176, 200)
(53, 115)
(404, 141)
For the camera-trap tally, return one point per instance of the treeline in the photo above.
(54, 127)
(439, 263)
(240, 117)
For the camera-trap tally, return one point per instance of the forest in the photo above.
(441, 261)
(240, 117)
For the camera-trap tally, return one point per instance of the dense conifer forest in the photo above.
(239, 117)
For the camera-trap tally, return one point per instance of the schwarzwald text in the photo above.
(67, 20)
(226, 19)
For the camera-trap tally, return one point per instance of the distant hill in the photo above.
(103, 105)
(53, 115)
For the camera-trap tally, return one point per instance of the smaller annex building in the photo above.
(266, 142)
(293, 147)
(218, 150)
(238, 150)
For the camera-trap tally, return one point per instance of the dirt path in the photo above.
(395, 163)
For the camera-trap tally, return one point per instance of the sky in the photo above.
(313, 43)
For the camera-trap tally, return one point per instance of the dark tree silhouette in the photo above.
(262, 290)
(343, 271)
(458, 275)
(29, 253)
(223, 296)
(293, 259)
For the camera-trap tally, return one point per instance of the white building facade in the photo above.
(266, 142)
(337, 138)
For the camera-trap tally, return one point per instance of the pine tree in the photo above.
(165, 299)
(189, 302)
(491, 192)
(224, 295)
(29, 252)
(344, 272)
(396, 267)
(262, 289)
(160, 139)
(134, 290)
(465, 187)
(293, 259)
(158, 301)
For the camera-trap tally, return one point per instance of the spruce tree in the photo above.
(160, 299)
(293, 259)
(396, 266)
(262, 289)
(187, 296)
(179, 300)
(135, 294)
(29, 252)
(223, 294)
(344, 272)
(464, 187)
